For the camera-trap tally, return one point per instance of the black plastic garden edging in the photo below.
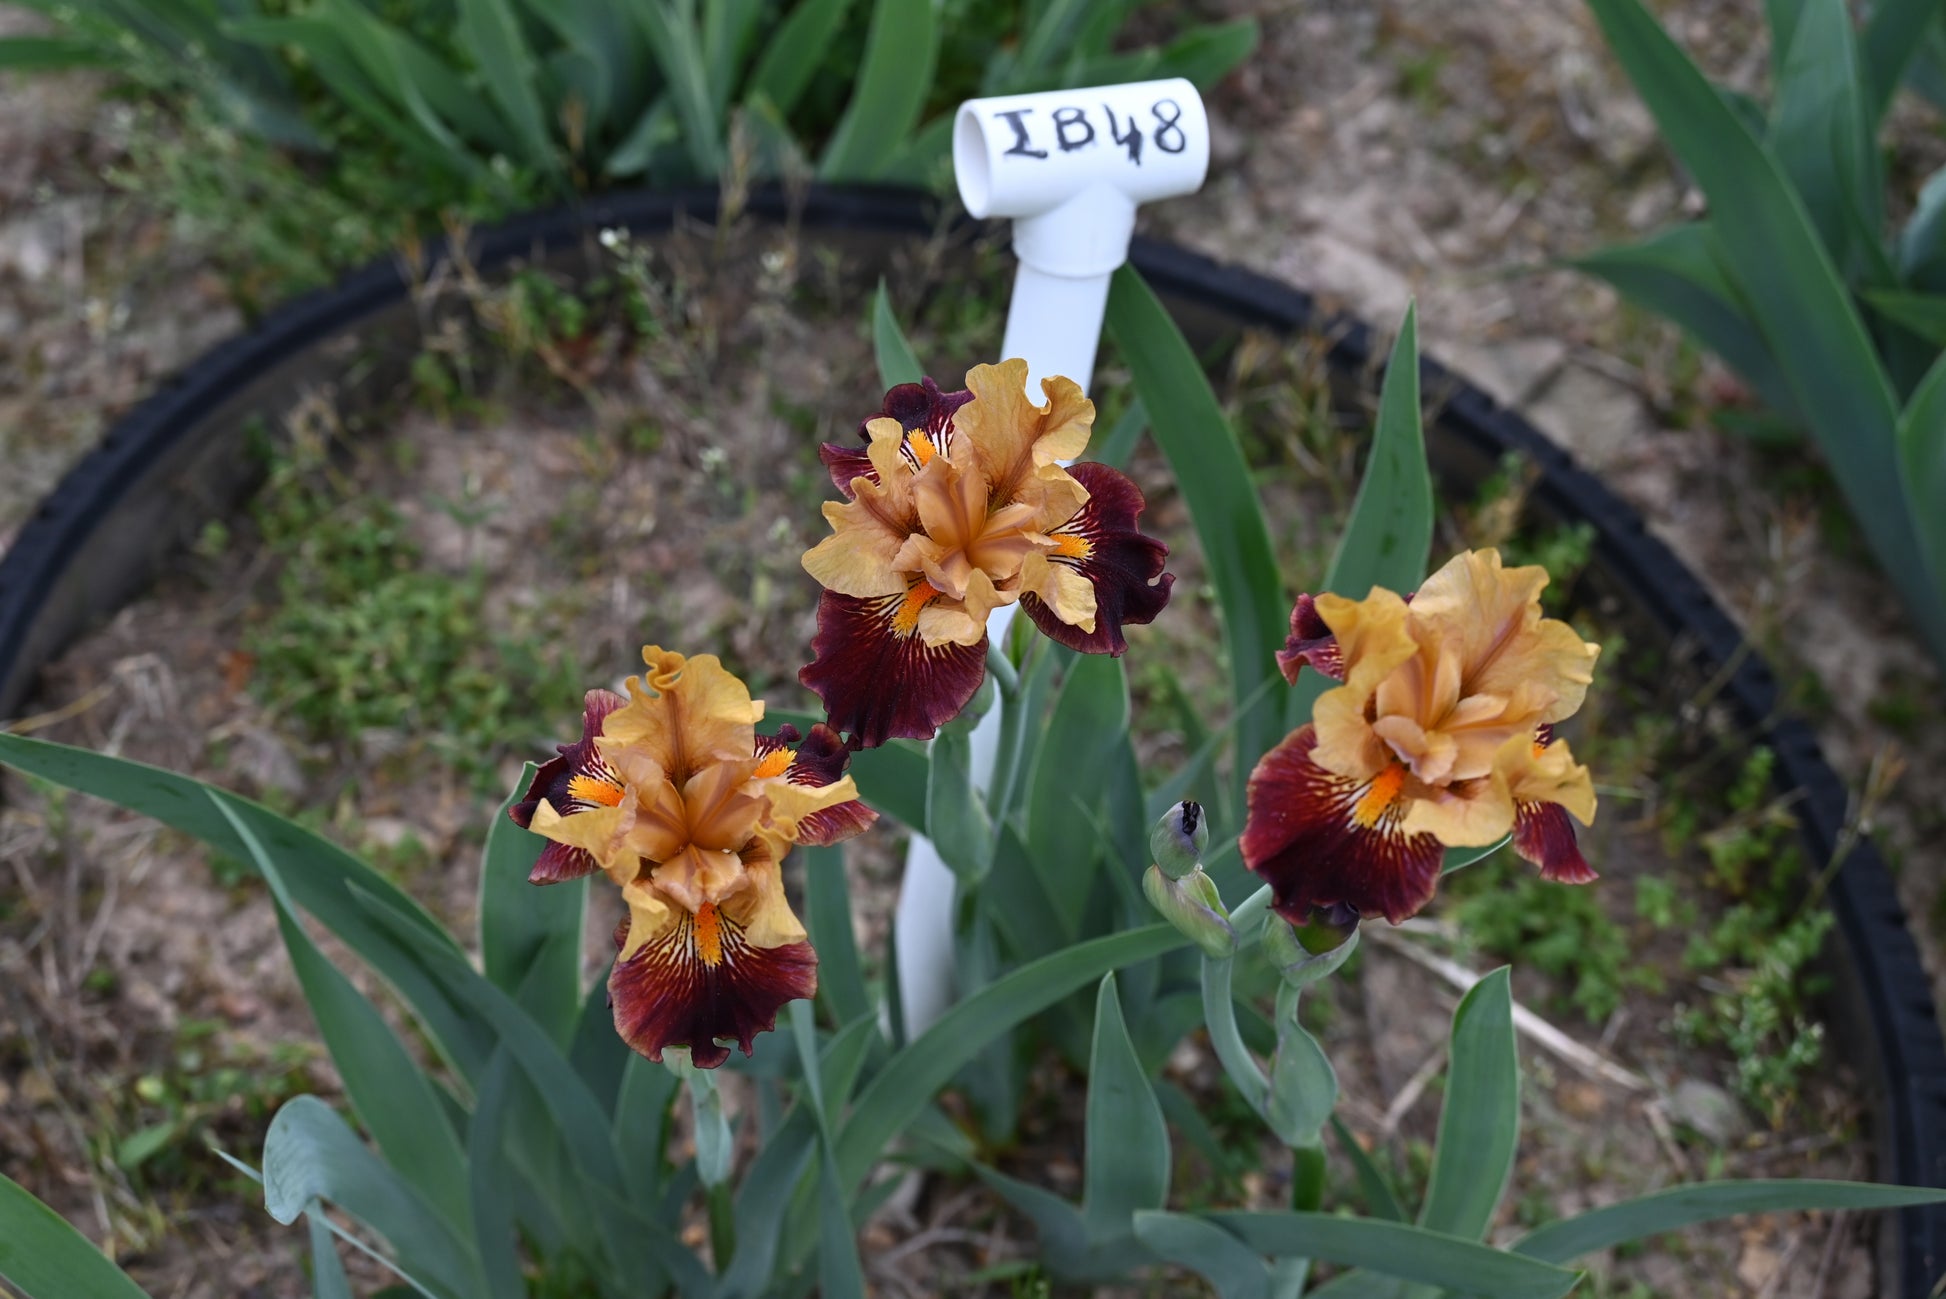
(67, 570)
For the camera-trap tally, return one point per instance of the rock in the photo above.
(1757, 1265)
(1598, 419)
(263, 758)
(1708, 1110)
(1510, 372)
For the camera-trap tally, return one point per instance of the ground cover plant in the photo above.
(1009, 852)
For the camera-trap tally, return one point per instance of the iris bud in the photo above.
(1176, 844)
(1194, 907)
(1314, 950)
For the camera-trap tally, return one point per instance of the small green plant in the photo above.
(1760, 951)
(1506, 909)
(208, 1082)
(314, 135)
(362, 637)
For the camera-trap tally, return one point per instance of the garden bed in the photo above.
(493, 498)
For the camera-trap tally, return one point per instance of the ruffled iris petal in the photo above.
(919, 408)
(1320, 839)
(1012, 436)
(576, 781)
(685, 712)
(1544, 834)
(819, 762)
(1310, 642)
(878, 678)
(1103, 544)
(701, 978)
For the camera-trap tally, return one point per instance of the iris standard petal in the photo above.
(1012, 437)
(1372, 637)
(1490, 617)
(685, 713)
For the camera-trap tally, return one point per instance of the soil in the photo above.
(1400, 149)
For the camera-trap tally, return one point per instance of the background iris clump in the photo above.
(318, 135)
(1795, 277)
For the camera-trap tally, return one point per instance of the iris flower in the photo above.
(957, 505)
(1440, 735)
(674, 796)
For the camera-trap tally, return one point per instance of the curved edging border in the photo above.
(1893, 981)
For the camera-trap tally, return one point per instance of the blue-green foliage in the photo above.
(1836, 322)
(518, 97)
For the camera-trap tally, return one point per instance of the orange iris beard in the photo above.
(1441, 736)
(673, 795)
(957, 506)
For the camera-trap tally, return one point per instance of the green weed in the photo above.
(363, 639)
(1506, 908)
(208, 1082)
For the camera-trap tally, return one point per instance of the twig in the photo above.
(926, 1240)
(1828, 1259)
(1783, 1269)
(1526, 1021)
(73, 708)
(1666, 1136)
(1409, 1094)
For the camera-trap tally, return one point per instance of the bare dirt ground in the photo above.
(1374, 152)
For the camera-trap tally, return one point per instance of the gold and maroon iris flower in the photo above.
(1440, 736)
(957, 505)
(674, 796)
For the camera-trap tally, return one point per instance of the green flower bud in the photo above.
(1194, 907)
(1176, 844)
(1315, 951)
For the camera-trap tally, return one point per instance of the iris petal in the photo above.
(700, 978)
(820, 762)
(878, 678)
(1321, 839)
(1544, 835)
(1104, 545)
(578, 780)
(1310, 642)
(919, 408)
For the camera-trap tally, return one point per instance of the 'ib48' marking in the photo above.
(1073, 130)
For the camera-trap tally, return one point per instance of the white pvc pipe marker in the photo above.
(1069, 167)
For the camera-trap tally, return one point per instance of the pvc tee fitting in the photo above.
(1070, 167)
